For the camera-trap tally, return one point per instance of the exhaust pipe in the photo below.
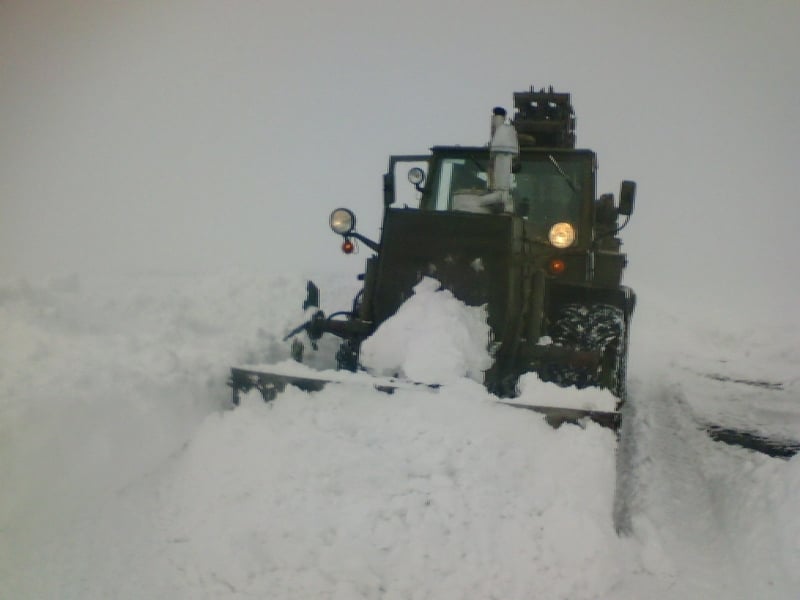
(503, 147)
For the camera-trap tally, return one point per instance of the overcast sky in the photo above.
(194, 135)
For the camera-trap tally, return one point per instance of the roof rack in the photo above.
(544, 119)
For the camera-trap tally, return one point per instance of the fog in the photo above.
(194, 136)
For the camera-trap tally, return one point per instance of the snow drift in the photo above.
(126, 474)
(433, 338)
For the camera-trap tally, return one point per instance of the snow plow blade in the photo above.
(272, 380)
(557, 416)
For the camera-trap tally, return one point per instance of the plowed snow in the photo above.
(126, 475)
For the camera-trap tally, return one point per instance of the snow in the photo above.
(535, 392)
(126, 473)
(433, 338)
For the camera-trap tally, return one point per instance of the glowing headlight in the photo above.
(342, 221)
(562, 235)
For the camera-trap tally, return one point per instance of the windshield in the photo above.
(545, 188)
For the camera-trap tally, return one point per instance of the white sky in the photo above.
(190, 135)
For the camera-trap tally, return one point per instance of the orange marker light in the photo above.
(348, 247)
(557, 266)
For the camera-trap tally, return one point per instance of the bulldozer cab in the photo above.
(547, 187)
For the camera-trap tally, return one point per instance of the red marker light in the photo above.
(557, 266)
(348, 247)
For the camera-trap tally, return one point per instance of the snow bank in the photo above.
(349, 493)
(433, 338)
(101, 380)
(762, 516)
(125, 476)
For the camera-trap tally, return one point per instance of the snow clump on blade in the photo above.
(433, 338)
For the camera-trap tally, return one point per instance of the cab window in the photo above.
(545, 189)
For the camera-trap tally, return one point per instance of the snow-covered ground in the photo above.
(125, 473)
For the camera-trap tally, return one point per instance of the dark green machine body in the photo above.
(544, 259)
(503, 261)
(471, 255)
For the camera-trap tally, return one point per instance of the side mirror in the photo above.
(605, 213)
(312, 296)
(627, 196)
(388, 188)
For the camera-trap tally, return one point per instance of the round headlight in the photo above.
(416, 175)
(562, 235)
(342, 221)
